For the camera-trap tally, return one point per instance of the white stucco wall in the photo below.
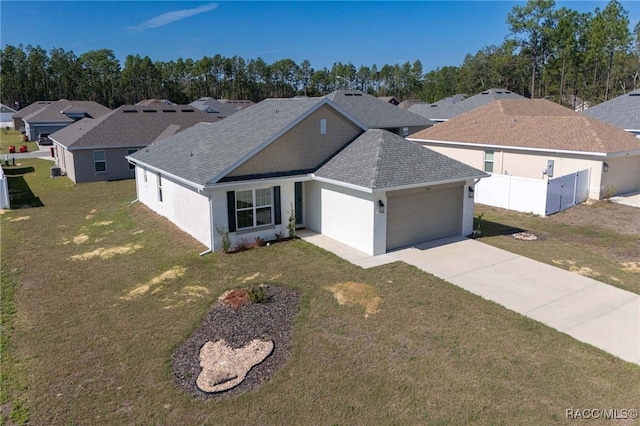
(346, 215)
(467, 209)
(183, 206)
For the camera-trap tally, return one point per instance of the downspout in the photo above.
(210, 249)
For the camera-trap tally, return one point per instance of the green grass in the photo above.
(579, 245)
(14, 137)
(83, 350)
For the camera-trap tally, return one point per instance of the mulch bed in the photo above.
(271, 320)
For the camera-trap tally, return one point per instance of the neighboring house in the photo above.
(310, 161)
(389, 99)
(95, 149)
(5, 116)
(539, 139)
(237, 104)
(155, 102)
(57, 115)
(449, 108)
(378, 114)
(622, 112)
(411, 102)
(575, 103)
(28, 110)
(215, 107)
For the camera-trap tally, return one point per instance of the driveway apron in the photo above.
(588, 310)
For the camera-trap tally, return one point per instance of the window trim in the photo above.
(104, 161)
(160, 197)
(487, 161)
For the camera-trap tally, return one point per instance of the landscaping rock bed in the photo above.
(271, 320)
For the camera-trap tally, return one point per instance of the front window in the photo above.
(99, 161)
(488, 161)
(129, 152)
(405, 131)
(254, 208)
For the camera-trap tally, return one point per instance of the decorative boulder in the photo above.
(224, 367)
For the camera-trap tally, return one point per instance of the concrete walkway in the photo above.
(588, 310)
(629, 199)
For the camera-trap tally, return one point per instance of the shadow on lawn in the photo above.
(19, 191)
(493, 229)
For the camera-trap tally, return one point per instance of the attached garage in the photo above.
(423, 214)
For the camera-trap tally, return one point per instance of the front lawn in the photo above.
(599, 239)
(94, 330)
(14, 137)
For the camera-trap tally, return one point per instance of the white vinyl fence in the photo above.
(4, 190)
(537, 196)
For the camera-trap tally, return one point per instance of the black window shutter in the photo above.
(231, 210)
(277, 213)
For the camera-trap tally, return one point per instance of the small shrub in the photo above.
(477, 226)
(242, 245)
(279, 236)
(261, 242)
(224, 236)
(258, 293)
(291, 226)
(608, 192)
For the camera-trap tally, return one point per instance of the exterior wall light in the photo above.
(605, 167)
(471, 192)
(380, 206)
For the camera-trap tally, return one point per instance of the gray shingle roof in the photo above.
(451, 107)
(214, 106)
(622, 112)
(31, 108)
(54, 112)
(130, 126)
(6, 109)
(204, 153)
(380, 159)
(376, 113)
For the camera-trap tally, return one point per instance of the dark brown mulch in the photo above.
(270, 320)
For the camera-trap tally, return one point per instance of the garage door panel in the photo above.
(423, 216)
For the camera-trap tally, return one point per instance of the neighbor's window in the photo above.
(99, 161)
(488, 161)
(129, 152)
(405, 131)
(160, 188)
(323, 126)
(254, 208)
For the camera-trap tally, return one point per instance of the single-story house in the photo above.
(378, 114)
(215, 107)
(57, 115)
(453, 106)
(5, 116)
(622, 112)
(18, 124)
(539, 139)
(310, 161)
(94, 149)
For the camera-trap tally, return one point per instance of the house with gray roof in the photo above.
(309, 161)
(454, 106)
(94, 149)
(28, 110)
(622, 112)
(54, 116)
(5, 116)
(375, 113)
(213, 106)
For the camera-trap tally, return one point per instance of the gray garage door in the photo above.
(419, 215)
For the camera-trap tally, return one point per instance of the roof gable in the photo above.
(531, 123)
(379, 159)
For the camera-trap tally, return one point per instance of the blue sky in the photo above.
(438, 33)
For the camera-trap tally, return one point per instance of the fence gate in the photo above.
(567, 191)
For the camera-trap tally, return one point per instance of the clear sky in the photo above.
(438, 33)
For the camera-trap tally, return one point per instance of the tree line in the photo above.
(549, 52)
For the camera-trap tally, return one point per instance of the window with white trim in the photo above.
(160, 188)
(99, 161)
(323, 126)
(254, 208)
(488, 161)
(129, 152)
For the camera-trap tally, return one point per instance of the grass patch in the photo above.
(14, 137)
(597, 241)
(95, 336)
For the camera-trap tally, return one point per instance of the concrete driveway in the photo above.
(588, 310)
